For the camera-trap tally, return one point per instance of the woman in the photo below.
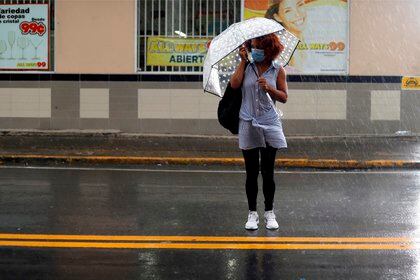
(260, 130)
(292, 15)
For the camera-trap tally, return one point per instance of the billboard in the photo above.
(321, 26)
(24, 37)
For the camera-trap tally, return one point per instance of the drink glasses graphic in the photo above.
(3, 48)
(22, 43)
(35, 45)
(11, 38)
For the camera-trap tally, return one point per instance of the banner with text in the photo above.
(321, 25)
(24, 37)
(165, 51)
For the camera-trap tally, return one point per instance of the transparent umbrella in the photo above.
(223, 54)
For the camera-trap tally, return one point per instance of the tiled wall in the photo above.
(25, 102)
(309, 104)
(94, 103)
(176, 104)
(183, 108)
(385, 105)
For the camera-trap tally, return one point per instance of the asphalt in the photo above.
(118, 148)
(99, 223)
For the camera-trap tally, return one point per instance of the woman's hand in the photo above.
(279, 92)
(263, 83)
(243, 53)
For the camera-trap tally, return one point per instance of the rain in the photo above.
(209, 139)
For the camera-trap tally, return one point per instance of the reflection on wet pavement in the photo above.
(189, 225)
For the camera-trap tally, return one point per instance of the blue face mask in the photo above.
(257, 55)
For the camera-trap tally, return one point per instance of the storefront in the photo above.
(172, 34)
(321, 25)
(136, 65)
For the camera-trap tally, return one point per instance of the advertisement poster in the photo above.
(321, 26)
(164, 51)
(24, 37)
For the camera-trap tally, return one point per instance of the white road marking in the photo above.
(208, 171)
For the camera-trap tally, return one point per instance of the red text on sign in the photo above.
(41, 64)
(32, 28)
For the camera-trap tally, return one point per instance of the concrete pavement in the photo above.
(113, 147)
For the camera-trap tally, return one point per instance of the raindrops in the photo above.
(223, 56)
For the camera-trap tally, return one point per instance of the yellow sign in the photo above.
(412, 83)
(164, 51)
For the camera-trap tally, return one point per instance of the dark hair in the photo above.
(271, 45)
(248, 45)
(274, 9)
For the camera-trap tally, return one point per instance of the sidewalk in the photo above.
(114, 147)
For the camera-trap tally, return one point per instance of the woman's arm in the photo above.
(238, 76)
(279, 93)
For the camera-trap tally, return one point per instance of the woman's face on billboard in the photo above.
(292, 13)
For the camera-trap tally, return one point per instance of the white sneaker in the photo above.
(252, 223)
(270, 220)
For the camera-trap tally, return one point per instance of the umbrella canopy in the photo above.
(223, 54)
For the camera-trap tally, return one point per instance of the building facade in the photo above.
(101, 72)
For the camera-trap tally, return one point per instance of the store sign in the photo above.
(164, 51)
(410, 83)
(321, 26)
(24, 37)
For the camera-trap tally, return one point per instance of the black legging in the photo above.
(252, 166)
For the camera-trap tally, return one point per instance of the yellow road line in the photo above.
(203, 246)
(284, 162)
(205, 238)
(130, 159)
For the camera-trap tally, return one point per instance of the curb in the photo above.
(117, 133)
(291, 162)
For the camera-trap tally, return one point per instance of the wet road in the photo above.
(164, 213)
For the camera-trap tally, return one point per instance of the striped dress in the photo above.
(259, 122)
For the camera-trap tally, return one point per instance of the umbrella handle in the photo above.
(279, 112)
(255, 71)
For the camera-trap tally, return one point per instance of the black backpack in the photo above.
(228, 109)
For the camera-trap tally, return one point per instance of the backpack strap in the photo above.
(278, 111)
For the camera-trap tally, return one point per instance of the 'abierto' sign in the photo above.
(24, 37)
(167, 51)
